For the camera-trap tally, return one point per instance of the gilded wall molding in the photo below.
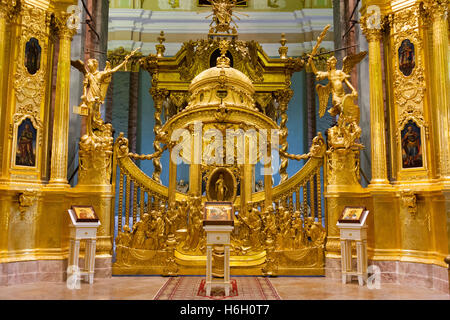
(409, 87)
(30, 88)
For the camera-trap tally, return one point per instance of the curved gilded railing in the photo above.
(138, 193)
(300, 192)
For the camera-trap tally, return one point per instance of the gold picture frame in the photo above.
(352, 215)
(84, 214)
(218, 213)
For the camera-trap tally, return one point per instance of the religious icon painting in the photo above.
(352, 215)
(218, 213)
(26, 144)
(406, 57)
(32, 56)
(84, 214)
(411, 146)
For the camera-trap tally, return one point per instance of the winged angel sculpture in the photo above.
(347, 130)
(95, 85)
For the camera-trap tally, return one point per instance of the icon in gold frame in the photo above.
(84, 214)
(218, 213)
(352, 215)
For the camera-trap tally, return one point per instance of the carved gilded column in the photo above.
(268, 177)
(158, 97)
(6, 7)
(58, 169)
(377, 120)
(195, 175)
(246, 175)
(438, 14)
(4, 11)
(437, 11)
(283, 98)
(172, 179)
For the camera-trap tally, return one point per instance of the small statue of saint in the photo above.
(221, 188)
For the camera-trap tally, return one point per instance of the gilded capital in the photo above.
(284, 96)
(435, 9)
(62, 26)
(159, 94)
(371, 27)
(8, 9)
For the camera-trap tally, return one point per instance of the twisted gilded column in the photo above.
(58, 175)
(377, 120)
(283, 97)
(158, 97)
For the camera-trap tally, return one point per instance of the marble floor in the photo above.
(146, 287)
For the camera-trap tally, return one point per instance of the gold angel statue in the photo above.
(336, 79)
(95, 84)
(343, 104)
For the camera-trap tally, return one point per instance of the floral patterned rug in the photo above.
(193, 288)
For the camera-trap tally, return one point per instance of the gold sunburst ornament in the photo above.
(223, 16)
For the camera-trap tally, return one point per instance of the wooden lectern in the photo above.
(352, 226)
(218, 223)
(83, 226)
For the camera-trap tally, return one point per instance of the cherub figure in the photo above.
(170, 219)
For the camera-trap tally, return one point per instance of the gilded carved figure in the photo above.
(95, 84)
(139, 232)
(221, 188)
(123, 241)
(347, 130)
(223, 15)
(170, 220)
(314, 231)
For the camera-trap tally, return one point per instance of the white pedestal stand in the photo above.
(218, 234)
(354, 232)
(82, 231)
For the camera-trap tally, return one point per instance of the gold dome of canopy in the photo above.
(222, 85)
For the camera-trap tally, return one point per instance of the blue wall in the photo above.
(121, 100)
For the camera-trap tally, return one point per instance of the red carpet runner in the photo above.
(193, 288)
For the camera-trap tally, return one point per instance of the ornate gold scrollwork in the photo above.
(26, 200)
(409, 200)
(30, 88)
